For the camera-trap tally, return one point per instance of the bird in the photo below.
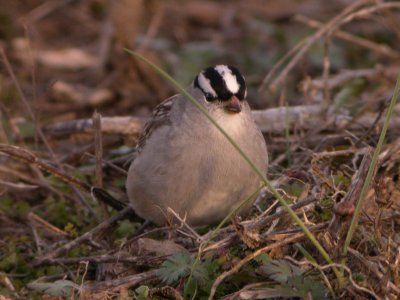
(184, 162)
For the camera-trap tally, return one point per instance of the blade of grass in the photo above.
(266, 182)
(371, 169)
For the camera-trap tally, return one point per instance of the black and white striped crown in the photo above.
(221, 83)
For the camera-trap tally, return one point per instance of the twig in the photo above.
(325, 76)
(38, 243)
(378, 72)
(277, 65)
(110, 164)
(192, 233)
(27, 156)
(271, 121)
(237, 266)
(17, 186)
(38, 129)
(153, 27)
(46, 224)
(374, 268)
(373, 125)
(116, 284)
(329, 154)
(358, 287)
(98, 147)
(13, 172)
(86, 236)
(378, 48)
(3, 135)
(372, 168)
(136, 260)
(44, 10)
(362, 13)
(312, 39)
(329, 28)
(257, 224)
(129, 126)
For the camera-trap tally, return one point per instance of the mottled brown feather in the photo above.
(160, 118)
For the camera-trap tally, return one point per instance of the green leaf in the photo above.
(281, 270)
(298, 287)
(57, 288)
(142, 292)
(125, 229)
(263, 258)
(175, 267)
(304, 286)
(348, 95)
(200, 274)
(292, 280)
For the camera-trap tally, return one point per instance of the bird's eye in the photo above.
(241, 94)
(210, 98)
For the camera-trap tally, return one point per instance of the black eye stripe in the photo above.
(216, 81)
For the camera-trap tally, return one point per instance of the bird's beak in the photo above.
(233, 105)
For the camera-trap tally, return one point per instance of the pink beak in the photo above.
(233, 105)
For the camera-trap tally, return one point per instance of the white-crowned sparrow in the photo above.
(186, 164)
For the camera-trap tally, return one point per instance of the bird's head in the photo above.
(224, 84)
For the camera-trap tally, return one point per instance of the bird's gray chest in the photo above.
(205, 157)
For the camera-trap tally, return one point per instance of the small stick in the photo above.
(313, 38)
(35, 235)
(339, 223)
(86, 236)
(3, 135)
(125, 282)
(18, 186)
(271, 121)
(237, 266)
(101, 259)
(27, 156)
(256, 225)
(325, 76)
(98, 147)
(38, 128)
(44, 9)
(107, 163)
(351, 151)
(34, 217)
(192, 233)
(378, 48)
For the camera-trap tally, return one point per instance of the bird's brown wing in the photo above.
(161, 114)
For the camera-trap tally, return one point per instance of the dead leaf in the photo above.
(166, 247)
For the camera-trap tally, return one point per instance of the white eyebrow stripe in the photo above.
(230, 79)
(205, 85)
